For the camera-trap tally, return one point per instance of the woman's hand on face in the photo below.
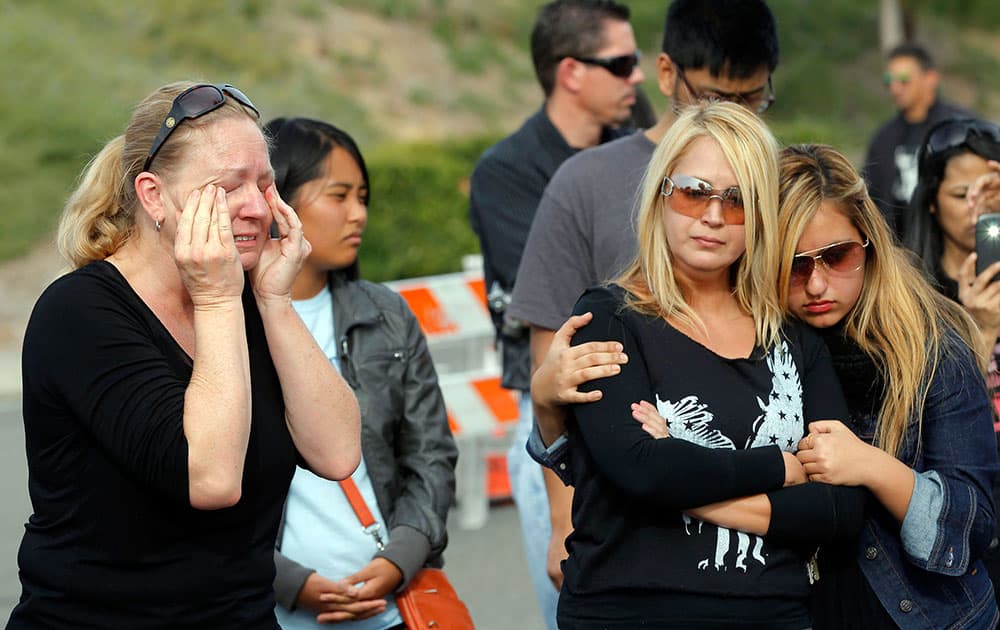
(983, 196)
(205, 250)
(652, 422)
(281, 258)
(980, 294)
(566, 367)
(832, 453)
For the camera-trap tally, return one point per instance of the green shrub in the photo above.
(418, 223)
(77, 69)
(982, 14)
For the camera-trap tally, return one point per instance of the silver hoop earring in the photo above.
(158, 225)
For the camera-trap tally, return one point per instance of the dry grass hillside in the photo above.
(406, 77)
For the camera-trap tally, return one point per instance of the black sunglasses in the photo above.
(758, 101)
(193, 102)
(621, 66)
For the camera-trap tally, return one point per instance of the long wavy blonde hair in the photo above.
(752, 153)
(900, 321)
(100, 215)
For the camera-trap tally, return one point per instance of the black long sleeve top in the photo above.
(633, 552)
(505, 189)
(113, 541)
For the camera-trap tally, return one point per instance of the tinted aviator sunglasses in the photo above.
(193, 102)
(839, 259)
(621, 66)
(690, 196)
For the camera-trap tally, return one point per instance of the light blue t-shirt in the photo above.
(321, 530)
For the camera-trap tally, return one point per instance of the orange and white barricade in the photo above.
(451, 309)
(482, 416)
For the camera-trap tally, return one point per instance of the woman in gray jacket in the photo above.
(327, 568)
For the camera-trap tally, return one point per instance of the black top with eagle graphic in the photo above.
(634, 553)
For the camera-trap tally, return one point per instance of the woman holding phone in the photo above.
(941, 227)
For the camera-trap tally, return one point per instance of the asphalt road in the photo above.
(486, 566)
(13, 498)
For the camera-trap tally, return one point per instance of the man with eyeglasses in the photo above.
(890, 166)
(586, 60)
(583, 233)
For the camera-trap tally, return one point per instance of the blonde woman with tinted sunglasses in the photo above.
(699, 316)
(918, 435)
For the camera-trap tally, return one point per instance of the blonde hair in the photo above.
(900, 321)
(752, 153)
(99, 216)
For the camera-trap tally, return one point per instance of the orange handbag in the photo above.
(429, 601)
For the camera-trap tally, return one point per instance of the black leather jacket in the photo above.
(405, 440)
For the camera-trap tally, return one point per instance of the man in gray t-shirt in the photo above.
(586, 61)
(583, 232)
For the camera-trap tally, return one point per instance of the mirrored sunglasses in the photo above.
(839, 259)
(690, 196)
(621, 66)
(889, 78)
(193, 102)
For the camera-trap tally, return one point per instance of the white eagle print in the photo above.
(779, 423)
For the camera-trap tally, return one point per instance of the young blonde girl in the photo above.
(919, 433)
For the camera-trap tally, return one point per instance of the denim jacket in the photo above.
(929, 573)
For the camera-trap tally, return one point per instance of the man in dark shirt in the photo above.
(891, 163)
(585, 58)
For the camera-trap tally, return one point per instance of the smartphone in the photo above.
(987, 241)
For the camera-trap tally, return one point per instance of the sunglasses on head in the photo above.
(839, 259)
(690, 196)
(954, 133)
(889, 78)
(193, 102)
(621, 66)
